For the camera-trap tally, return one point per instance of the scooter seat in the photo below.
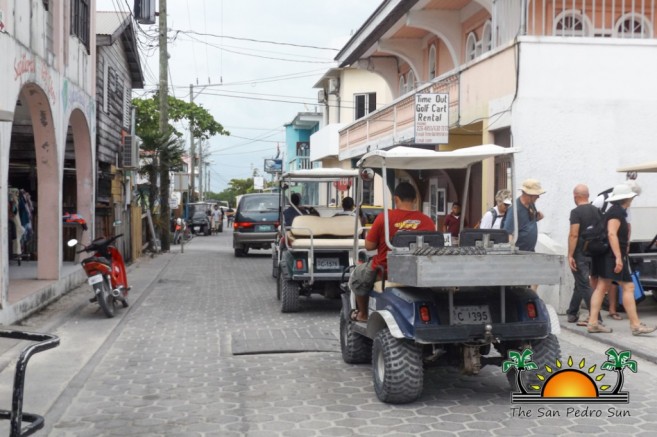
(99, 259)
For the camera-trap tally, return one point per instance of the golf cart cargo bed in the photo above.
(511, 269)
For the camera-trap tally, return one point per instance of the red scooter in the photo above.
(106, 272)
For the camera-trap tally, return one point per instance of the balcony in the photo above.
(300, 162)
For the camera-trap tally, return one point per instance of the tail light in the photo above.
(300, 265)
(242, 225)
(531, 310)
(425, 314)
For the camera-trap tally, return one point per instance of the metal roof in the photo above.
(411, 158)
(324, 173)
(114, 25)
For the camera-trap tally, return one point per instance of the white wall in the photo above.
(584, 108)
(354, 81)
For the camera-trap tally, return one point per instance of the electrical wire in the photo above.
(192, 32)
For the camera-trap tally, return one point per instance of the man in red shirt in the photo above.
(403, 218)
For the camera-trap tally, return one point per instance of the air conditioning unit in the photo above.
(321, 96)
(334, 85)
(130, 154)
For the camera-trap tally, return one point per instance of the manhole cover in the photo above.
(273, 341)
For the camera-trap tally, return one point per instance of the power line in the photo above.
(192, 32)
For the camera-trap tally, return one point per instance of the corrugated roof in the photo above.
(108, 22)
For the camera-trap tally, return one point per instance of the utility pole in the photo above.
(200, 169)
(164, 124)
(192, 150)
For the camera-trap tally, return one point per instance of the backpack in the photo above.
(594, 238)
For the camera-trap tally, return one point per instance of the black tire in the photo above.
(396, 369)
(356, 349)
(279, 275)
(274, 261)
(208, 231)
(221, 227)
(105, 299)
(239, 252)
(289, 292)
(546, 351)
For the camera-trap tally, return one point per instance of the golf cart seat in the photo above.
(469, 237)
(323, 232)
(405, 238)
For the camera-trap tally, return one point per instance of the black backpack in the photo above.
(493, 211)
(594, 238)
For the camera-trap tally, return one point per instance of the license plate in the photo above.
(327, 263)
(471, 315)
(264, 228)
(95, 279)
(197, 228)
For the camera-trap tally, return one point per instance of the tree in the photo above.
(520, 362)
(617, 362)
(166, 150)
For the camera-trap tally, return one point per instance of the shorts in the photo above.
(362, 278)
(609, 262)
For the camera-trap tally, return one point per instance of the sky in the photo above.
(256, 86)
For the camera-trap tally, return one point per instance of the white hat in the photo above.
(507, 201)
(621, 192)
(532, 187)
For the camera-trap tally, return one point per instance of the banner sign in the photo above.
(431, 118)
(273, 166)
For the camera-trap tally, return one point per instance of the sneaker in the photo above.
(643, 329)
(599, 328)
(573, 318)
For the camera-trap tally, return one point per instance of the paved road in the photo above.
(205, 351)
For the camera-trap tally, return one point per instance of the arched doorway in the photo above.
(78, 180)
(33, 184)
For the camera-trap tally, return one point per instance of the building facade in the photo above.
(570, 84)
(47, 147)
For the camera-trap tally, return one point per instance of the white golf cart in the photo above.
(314, 250)
(447, 305)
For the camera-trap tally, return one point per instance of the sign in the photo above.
(431, 118)
(343, 184)
(174, 201)
(273, 165)
(258, 182)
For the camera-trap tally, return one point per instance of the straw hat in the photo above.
(532, 187)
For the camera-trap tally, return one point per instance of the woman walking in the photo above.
(613, 267)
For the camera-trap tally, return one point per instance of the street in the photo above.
(205, 351)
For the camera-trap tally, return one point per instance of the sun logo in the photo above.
(572, 384)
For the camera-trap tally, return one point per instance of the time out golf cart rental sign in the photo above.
(431, 118)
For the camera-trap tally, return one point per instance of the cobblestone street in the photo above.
(205, 351)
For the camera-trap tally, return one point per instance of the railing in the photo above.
(396, 121)
(300, 163)
(591, 18)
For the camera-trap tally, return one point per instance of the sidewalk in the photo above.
(644, 346)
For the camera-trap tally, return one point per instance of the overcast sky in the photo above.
(252, 73)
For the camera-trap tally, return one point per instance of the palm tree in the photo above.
(520, 362)
(617, 362)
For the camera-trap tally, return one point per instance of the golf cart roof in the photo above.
(646, 167)
(324, 173)
(412, 158)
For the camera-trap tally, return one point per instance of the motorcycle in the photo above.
(106, 273)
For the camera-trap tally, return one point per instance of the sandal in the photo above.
(615, 316)
(643, 329)
(599, 328)
(353, 316)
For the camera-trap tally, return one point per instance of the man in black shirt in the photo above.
(581, 217)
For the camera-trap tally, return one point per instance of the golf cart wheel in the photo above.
(274, 262)
(396, 368)
(356, 348)
(279, 275)
(289, 292)
(546, 351)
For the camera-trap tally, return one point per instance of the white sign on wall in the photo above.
(432, 118)
(258, 182)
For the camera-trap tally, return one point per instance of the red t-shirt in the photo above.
(453, 224)
(398, 219)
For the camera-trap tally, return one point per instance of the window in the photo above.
(410, 83)
(402, 85)
(432, 62)
(487, 37)
(571, 23)
(80, 20)
(633, 26)
(364, 104)
(471, 47)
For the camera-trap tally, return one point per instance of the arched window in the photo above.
(410, 82)
(402, 85)
(633, 26)
(432, 62)
(571, 23)
(471, 47)
(487, 37)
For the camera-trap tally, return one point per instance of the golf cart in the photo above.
(447, 305)
(312, 253)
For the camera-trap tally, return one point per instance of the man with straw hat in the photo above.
(528, 215)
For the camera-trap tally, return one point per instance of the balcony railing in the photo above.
(395, 123)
